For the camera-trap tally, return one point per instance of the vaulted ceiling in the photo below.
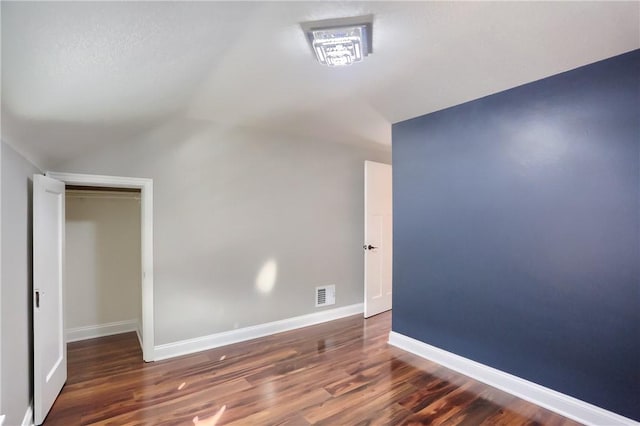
(79, 74)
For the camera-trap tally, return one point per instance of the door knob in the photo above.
(369, 247)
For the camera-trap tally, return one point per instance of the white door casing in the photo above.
(49, 344)
(378, 247)
(146, 239)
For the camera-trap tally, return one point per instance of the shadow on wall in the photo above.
(117, 249)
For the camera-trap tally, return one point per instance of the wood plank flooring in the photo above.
(337, 373)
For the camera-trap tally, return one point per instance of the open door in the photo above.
(377, 238)
(49, 345)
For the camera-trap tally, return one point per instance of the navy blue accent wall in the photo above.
(517, 231)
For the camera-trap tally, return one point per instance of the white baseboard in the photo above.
(560, 403)
(27, 420)
(101, 330)
(211, 341)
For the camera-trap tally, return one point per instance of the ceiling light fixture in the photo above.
(339, 42)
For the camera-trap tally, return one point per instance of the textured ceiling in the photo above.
(77, 75)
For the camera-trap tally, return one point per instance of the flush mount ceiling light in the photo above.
(339, 42)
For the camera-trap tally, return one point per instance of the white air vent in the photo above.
(325, 295)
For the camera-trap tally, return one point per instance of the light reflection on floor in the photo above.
(211, 421)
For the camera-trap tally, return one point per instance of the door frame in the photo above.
(146, 238)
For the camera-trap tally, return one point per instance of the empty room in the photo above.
(320, 213)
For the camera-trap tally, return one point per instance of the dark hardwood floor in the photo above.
(337, 373)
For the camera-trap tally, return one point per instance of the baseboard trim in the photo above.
(211, 341)
(101, 330)
(560, 403)
(27, 420)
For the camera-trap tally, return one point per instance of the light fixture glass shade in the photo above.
(339, 46)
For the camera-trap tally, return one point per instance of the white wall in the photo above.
(103, 258)
(16, 310)
(228, 201)
(2, 417)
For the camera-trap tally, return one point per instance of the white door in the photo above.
(378, 253)
(49, 346)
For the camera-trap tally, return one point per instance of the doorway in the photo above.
(145, 188)
(103, 265)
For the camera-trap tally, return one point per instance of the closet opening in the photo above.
(103, 292)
